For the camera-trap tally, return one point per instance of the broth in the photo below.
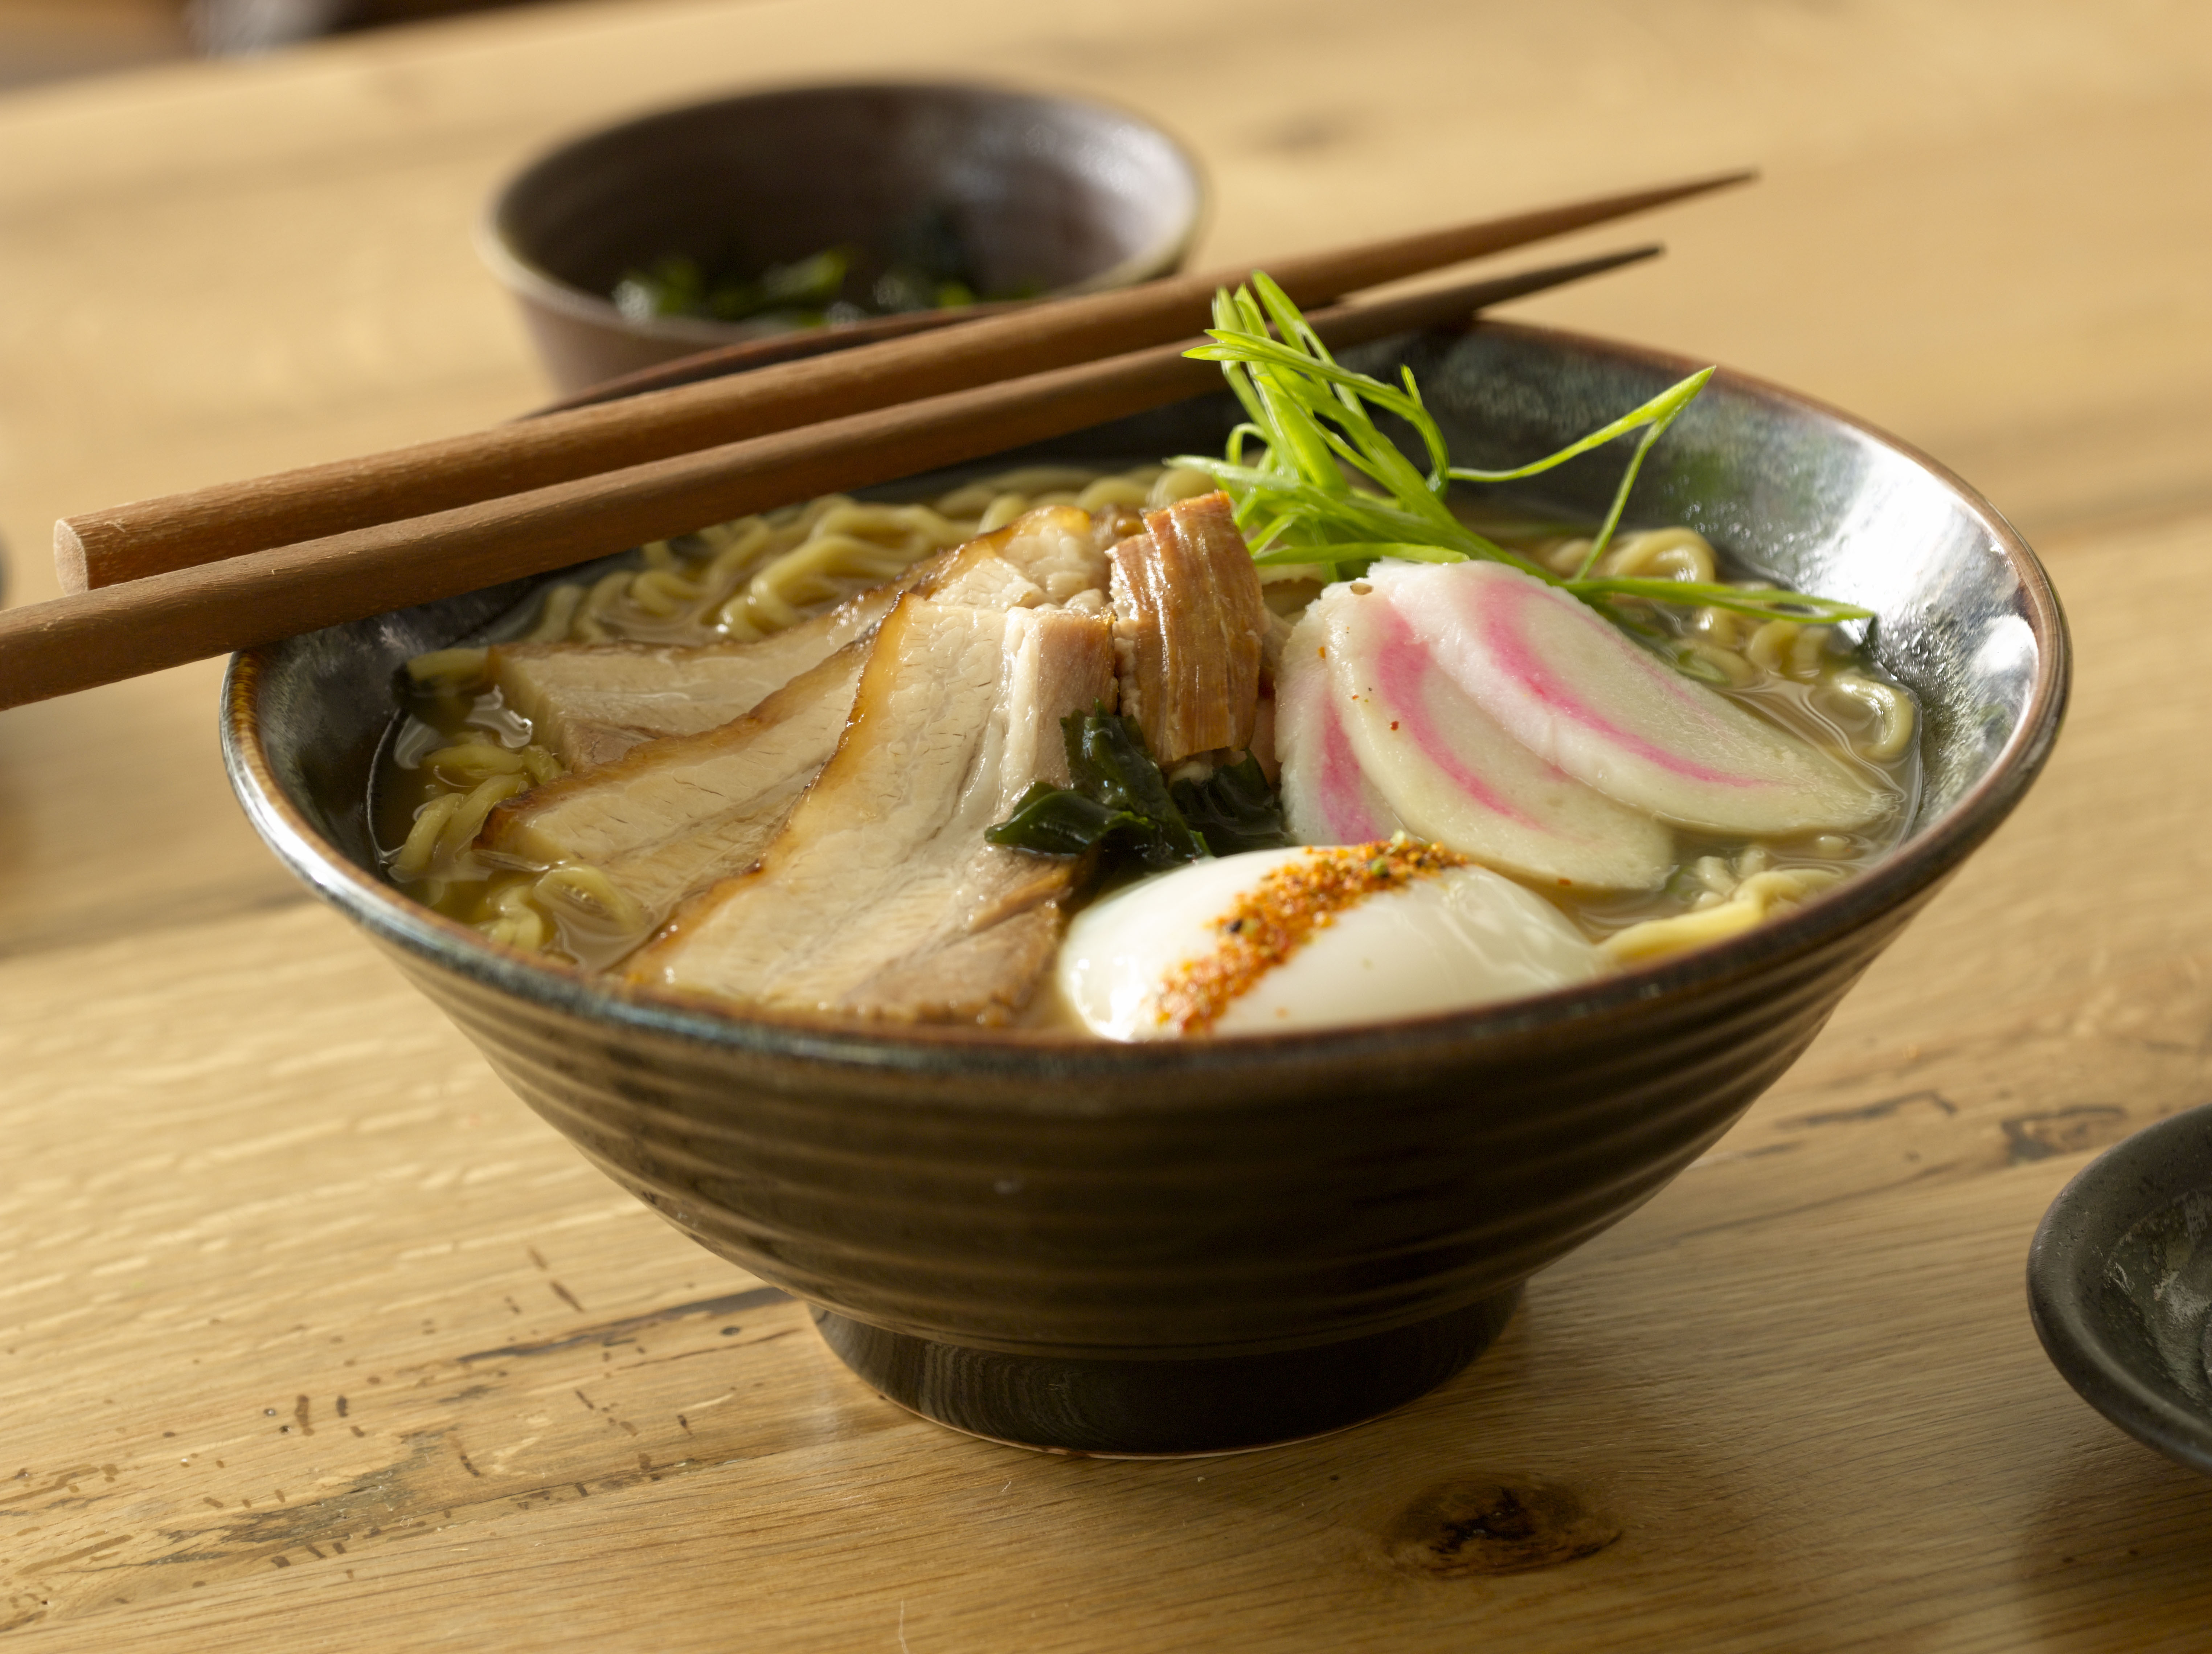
(457, 749)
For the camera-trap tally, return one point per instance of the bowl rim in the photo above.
(1529, 1025)
(527, 279)
(2134, 1179)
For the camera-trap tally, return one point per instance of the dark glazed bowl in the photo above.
(2120, 1285)
(1184, 1247)
(1045, 194)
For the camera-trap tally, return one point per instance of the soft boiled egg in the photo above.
(1313, 937)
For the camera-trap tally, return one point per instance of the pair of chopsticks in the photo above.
(163, 582)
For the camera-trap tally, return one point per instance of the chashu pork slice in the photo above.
(591, 703)
(880, 897)
(674, 814)
(1188, 624)
(1048, 556)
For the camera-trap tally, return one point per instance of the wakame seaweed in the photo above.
(1118, 803)
(1233, 809)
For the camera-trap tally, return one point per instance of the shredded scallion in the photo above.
(1331, 488)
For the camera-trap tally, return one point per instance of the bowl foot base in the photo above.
(1139, 1408)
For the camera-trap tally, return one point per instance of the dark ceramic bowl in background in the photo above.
(1045, 194)
(1215, 1243)
(2120, 1285)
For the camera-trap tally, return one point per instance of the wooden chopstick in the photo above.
(74, 642)
(750, 354)
(152, 537)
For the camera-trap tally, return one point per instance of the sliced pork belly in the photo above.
(1046, 556)
(1326, 797)
(1189, 622)
(880, 897)
(1451, 773)
(674, 814)
(1568, 684)
(670, 814)
(591, 703)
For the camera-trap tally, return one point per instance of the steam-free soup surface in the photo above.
(735, 737)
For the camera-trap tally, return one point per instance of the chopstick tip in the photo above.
(1706, 185)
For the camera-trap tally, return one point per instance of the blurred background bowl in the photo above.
(1186, 1246)
(2120, 1285)
(1043, 195)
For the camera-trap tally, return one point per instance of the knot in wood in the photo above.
(1497, 1525)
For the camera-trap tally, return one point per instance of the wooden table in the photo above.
(312, 1337)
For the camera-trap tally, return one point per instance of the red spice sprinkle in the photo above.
(1277, 916)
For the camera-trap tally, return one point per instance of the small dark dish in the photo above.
(2119, 1284)
(1180, 1247)
(1047, 194)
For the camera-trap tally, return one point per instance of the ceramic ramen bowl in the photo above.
(1041, 194)
(1178, 1247)
(2119, 1284)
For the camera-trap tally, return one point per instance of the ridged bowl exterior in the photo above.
(1082, 1201)
(1089, 1208)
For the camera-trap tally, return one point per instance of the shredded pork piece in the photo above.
(1188, 629)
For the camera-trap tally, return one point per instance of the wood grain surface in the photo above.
(311, 1336)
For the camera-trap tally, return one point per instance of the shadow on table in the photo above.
(2120, 1545)
(224, 27)
(1540, 1494)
